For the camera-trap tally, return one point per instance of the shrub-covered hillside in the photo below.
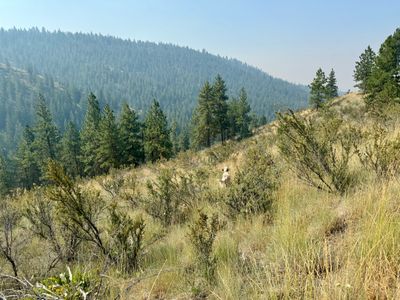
(320, 226)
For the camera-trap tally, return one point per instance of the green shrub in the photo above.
(318, 150)
(202, 236)
(380, 153)
(173, 195)
(126, 239)
(253, 188)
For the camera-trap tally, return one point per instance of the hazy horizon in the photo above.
(287, 40)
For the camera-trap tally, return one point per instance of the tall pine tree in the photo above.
(89, 137)
(363, 69)
(130, 131)
(203, 119)
(318, 90)
(46, 135)
(331, 86)
(28, 172)
(70, 151)
(220, 107)
(108, 152)
(243, 118)
(157, 143)
(384, 83)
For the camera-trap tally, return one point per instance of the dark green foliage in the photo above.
(318, 90)
(202, 122)
(318, 150)
(28, 171)
(157, 143)
(131, 138)
(363, 69)
(383, 85)
(202, 235)
(46, 139)
(5, 176)
(128, 237)
(253, 187)
(219, 108)
(89, 137)
(238, 116)
(331, 86)
(70, 151)
(108, 151)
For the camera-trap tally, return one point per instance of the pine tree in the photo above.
(384, 83)
(220, 107)
(5, 176)
(70, 152)
(318, 90)
(243, 118)
(89, 137)
(157, 143)
(202, 121)
(363, 69)
(331, 86)
(174, 137)
(28, 172)
(184, 139)
(46, 135)
(131, 140)
(108, 152)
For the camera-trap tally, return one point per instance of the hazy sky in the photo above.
(287, 39)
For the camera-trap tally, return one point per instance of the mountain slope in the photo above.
(136, 71)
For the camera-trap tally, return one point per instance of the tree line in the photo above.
(104, 141)
(65, 67)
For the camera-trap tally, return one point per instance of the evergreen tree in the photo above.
(243, 118)
(46, 135)
(363, 69)
(28, 172)
(202, 121)
(108, 152)
(220, 107)
(174, 137)
(5, 177)
(233, 113)
(384, 83)
(157, 143)
(89, 137)
(184, 139)
(318, 90)
(331, 86)
(130, 137)
(70, 152)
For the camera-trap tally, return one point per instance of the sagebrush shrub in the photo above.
(253, 187)
(318, 150)
(202, 234)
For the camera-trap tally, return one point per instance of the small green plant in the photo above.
(253, 187)
(69, 286)
(202, 235)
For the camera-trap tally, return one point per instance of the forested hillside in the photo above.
(117, 70)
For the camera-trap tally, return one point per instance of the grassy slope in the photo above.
(318, 246)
